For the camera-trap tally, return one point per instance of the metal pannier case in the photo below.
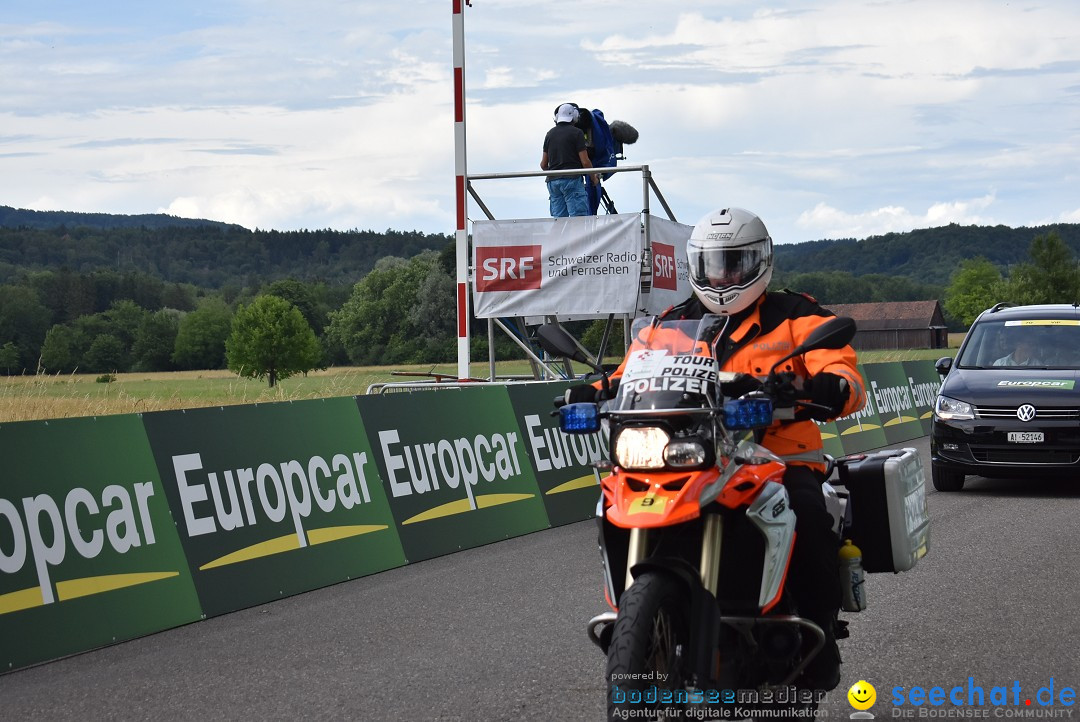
(889, 521)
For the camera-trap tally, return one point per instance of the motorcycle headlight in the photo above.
(953, 410)
(641, 447)
(685, 453)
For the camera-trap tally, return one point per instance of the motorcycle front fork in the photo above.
(710, 552)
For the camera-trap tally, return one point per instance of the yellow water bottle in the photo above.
(852, 578)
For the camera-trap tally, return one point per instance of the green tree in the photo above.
(398, 313)
(974, 287)
(61, 351)
(200, 338)
(271, 339)
(24, 321)
(1052, 275)
(155, 340)
(9, 357)
(106, 353)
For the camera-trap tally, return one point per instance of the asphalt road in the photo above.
(497, 633)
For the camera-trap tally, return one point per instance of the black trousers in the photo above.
(812, 575)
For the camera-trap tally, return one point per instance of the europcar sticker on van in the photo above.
(1045, 322)
(1039, 384)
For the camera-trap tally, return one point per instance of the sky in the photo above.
(828, 118)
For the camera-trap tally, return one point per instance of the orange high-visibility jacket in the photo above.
(758, 337)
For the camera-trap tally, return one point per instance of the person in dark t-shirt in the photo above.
(564, 149)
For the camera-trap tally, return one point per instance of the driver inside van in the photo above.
(1024, 351)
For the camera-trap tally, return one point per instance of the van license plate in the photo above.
(1026, 437)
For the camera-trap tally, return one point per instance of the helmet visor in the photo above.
(721, 268)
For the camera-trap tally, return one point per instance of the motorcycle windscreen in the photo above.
(670, 365)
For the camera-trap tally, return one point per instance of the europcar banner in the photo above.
(862, 430)
(273, 499)
(888, 386)
(924, 381)
(89, 554)
(584, 266)
(454, 467)
(670, 270)
(562, 462)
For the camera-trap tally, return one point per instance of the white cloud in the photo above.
(324, 114)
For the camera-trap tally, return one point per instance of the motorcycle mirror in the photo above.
(556, 341)
(835, 333)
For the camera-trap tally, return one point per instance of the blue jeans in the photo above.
(567, 196)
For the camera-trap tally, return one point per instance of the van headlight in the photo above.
(953, 410)
(641, 447)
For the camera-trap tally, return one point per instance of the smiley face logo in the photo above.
(862, 695)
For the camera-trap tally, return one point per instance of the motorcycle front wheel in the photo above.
(648, 643)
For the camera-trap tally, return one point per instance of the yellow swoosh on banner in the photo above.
(333, 533)
(856, 429)
(582, 482)
(286, 543)
(900, 420)
(462, 505)
(827, 436)
(22, 599)
(289, 543)
(927, 415)
(75, 588)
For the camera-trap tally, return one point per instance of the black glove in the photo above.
(830, 391)
(582, 393)
(742, 384)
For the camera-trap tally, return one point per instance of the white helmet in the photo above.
(731, 260)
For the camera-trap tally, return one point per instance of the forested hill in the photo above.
(23, 218)
(211, 254)
(208, 254)
(928, 255)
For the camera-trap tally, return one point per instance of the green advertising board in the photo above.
(862, 430)
(89, 554)
(273, 499)
(455, 468)
(888, 386)
(924, 381)
(562, 462)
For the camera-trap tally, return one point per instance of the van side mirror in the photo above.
(943, 365)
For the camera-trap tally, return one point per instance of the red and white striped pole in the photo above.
(461, 203)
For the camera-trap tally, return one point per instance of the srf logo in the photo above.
(663, 274)
(508, 268)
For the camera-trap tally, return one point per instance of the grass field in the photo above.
(24, 398)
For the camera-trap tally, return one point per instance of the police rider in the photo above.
(730, 254)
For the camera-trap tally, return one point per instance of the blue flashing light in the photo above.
(583, 418)
(747, 413)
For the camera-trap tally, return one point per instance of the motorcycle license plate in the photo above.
(1026, 437)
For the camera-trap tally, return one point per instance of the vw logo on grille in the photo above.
(1025, 412)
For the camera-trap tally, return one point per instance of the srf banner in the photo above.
(273, 499)
(89, 554)
(582, 266)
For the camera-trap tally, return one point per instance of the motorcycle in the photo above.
(696, 530)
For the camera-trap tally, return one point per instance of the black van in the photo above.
(1009, 406)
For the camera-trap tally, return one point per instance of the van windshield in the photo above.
(1028, 343)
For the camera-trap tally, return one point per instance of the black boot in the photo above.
(823, 672)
